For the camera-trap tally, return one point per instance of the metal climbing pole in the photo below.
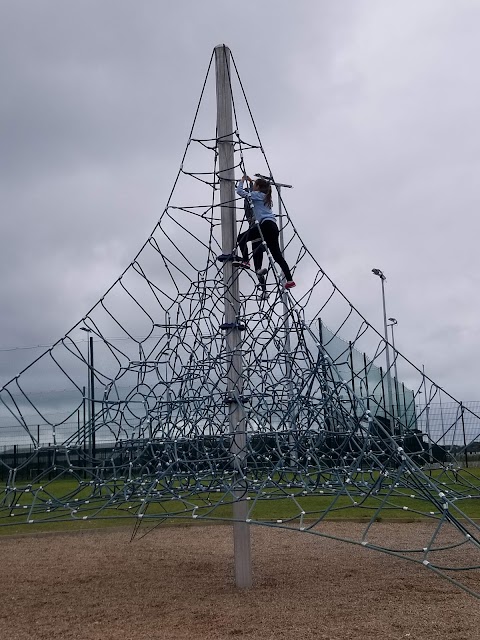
(286, 317)
(287, 328)
(241, 529)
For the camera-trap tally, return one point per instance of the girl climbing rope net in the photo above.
(266, 229)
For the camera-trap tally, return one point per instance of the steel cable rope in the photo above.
(190, 461)
(156, 226)
(324, 274)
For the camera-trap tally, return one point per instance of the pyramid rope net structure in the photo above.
(137, 425)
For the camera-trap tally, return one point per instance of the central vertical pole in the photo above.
(226, 176)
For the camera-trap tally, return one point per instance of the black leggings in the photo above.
(270, 235)
(257, 253)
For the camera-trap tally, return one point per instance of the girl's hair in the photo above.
(266, 188)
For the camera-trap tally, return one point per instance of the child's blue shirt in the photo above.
(260, 209)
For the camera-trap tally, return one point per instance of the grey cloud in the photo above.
(368, 108)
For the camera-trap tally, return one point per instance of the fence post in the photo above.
(464, 438)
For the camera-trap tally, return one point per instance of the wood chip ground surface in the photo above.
(177, 583)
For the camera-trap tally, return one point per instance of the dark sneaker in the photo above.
(262, 272)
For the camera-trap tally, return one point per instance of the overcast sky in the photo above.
(370, 108)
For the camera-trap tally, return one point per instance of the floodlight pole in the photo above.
(92, 389)
(91, 393)
(381, 275)
(393, 323)
(226, 177)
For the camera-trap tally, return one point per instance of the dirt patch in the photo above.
(177, 582)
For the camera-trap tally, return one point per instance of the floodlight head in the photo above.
(85, 329)
(393, 320)
(379, 273)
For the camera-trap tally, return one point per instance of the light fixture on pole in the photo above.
(381, 275)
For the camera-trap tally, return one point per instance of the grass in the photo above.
(66, 505)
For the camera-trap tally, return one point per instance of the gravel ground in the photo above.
(177, 582)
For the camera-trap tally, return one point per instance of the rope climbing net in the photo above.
(142, 429)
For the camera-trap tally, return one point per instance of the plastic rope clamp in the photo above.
(233, 325)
